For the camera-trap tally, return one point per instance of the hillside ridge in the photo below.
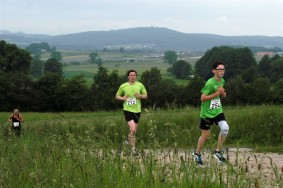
(156, 38)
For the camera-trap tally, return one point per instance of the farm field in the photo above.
(87, 150)
(76, 62)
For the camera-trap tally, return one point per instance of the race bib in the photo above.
(131, 101)
(16, 124)
(215, 103)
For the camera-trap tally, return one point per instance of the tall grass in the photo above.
(87, 150)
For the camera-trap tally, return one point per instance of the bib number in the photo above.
(215, 103)
(131, 101)
(16, 124)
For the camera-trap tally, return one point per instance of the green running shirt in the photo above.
(211, 108)
(132, 104)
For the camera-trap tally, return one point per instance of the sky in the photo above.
(220, 17)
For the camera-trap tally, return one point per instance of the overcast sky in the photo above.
(222, 17)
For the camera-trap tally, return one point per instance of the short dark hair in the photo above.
(128, 73)
(216, 63)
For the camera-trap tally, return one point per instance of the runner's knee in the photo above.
(224, 128)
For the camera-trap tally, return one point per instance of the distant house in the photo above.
(264, 53)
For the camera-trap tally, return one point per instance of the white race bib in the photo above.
(16, 124)
(215, 103)
(131, 101)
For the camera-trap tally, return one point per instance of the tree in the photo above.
(45, 91)
(165, 94)
(193, 91)
(264, 66)
(4, 87)
(170, 57)
(19, 92)
(181, 69)
(259, 91)
(276, 70)
(36, 48)
(53, 66)
(14, 59)
(162, 93)
(105, 87)
(73, 95)
(235, 59)
(278, 92)
(95, 59)
(36, 68)
(56, 55)
(250, 74)
(121, 49)
(99, 62)
(15, 82)
(15, 91)
(236, 91)
(151, 78)
(270, 67)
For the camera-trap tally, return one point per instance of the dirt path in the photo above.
(265, 168)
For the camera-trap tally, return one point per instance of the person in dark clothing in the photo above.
(16, 120)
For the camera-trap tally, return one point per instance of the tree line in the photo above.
(247, 82)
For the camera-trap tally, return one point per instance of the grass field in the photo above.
(87, 150)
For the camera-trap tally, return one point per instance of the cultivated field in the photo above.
(76, 62)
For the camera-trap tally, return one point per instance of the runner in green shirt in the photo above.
(212, 113)
(131, 93)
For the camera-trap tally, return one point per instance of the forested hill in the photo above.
(142, 37)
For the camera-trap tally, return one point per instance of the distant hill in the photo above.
(143, 37)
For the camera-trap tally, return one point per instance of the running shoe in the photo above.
(219, 156)
(197, 158)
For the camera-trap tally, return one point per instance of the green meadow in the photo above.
(87, 149)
